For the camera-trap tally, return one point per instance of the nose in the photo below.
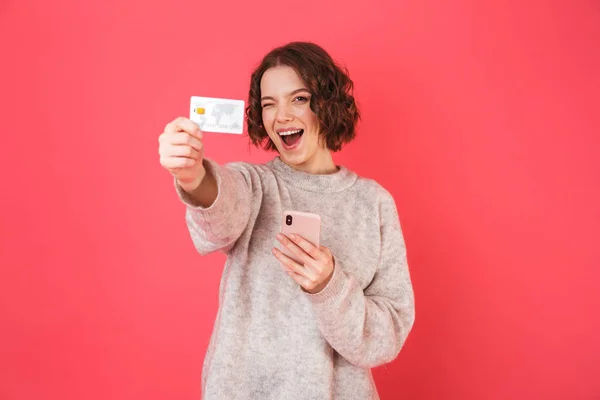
(283, 114)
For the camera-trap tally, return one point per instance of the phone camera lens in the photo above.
(288, 220)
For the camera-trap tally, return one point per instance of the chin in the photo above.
(296, 155)
(294, 159)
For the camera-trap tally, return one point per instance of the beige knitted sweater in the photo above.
(271, 340)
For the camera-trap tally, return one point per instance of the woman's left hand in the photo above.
(318, 266)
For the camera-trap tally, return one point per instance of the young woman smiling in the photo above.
(285, 329)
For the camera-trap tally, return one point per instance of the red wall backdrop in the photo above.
(481, 118)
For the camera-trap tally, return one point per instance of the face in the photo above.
(289, 121)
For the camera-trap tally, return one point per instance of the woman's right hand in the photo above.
(181, 152)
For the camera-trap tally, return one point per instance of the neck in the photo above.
(340, 179)
(320, 163)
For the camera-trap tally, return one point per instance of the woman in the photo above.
(288, 330)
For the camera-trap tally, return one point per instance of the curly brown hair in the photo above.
(331, 90)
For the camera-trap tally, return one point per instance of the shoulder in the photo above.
(373, 188)
(377, 197)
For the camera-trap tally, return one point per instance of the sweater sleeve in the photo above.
(217, 227)
(369, 328)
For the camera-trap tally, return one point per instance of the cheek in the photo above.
(309, 117)
(312, 119)
(267, 117)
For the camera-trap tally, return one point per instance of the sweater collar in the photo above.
(342, 179)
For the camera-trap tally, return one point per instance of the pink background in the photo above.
(481, 118)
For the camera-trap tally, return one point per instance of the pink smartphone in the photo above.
(307, 225)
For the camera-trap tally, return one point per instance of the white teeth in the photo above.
(289, 132)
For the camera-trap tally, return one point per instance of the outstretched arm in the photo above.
(219, 210)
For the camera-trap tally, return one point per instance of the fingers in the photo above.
(293, 268)
(173, 136)
(308, 248)
(182, 124)
(180, 151)
(314, 267)
(301, 254)
(180, 145)
(307, 284)
(183, 138)
(178, 156)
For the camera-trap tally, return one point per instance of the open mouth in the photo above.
(291, 137)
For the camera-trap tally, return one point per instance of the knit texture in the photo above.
(272, 340)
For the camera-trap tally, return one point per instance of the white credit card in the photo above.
(218, 115)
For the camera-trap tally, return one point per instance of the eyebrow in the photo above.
(293, 92)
